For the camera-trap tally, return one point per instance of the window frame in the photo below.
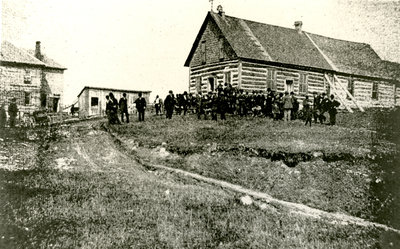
(91, 101)
(27, 98)
(271, 83)
(203, 52)
(375, 91)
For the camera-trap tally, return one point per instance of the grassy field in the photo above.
(103, 199)
(82, 190)
(349, 168)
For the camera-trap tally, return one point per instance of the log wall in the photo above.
(199, 76)
(255, 77)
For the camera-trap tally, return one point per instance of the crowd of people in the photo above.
(278, 106)
(115, 107)
(228, 100)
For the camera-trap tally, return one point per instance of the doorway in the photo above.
(211, 82)
(55, 104)
(289, 86)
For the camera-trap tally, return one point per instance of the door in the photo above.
(55, 104)
(289, 86)
(211, 82)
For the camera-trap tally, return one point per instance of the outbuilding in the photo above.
(92, 100)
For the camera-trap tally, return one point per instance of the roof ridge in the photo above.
(363, 43)
(274, 25)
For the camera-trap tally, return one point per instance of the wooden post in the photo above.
(334, 89)
(349, 94)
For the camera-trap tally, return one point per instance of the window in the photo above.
(221, 48)
(303, 85)
(27, 77)
(203, 52)
(27, 98)
(198, 84)
(212, 86)
(228, 77)
(94, 101)
(350, 87)
(375, 90)
(271, 79)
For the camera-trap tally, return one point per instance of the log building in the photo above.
(32, 78)
(255, 56)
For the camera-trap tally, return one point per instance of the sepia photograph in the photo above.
(200, 124)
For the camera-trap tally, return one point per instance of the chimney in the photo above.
(220, 11)
(38, 53)
(298, 25)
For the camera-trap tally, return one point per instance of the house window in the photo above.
(221, 48)
(271, 79)
(228, 77)
(350, 87)
(198, 84)
(203, 52)
(375, 90)
(303, 86)
(212, 84)
(27, 77)
(94, 101)
(27, 98)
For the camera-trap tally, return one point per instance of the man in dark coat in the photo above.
(113, 109)
(324, 107)
(3, 116)
(316, 106)
(12, 112)
(333, 105)
(169, 104)
(140, 106)
(268, 103)
(123, 106)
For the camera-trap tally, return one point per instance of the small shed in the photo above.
(92, 100)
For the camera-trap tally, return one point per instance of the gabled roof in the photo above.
(269, 43)
(349, 57)
(10, 53)
(392, 69)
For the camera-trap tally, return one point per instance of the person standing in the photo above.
(108, 109)
(316, 106)
(324, 107)
(199, 105)
(157, 105)
(295, 106)
(114, 109)
(333, 105)
(140, 106)
(123, 106)
(268, 103)
(307, 111)
(287, 106)
(169, 104)
(12, 112)
(3, 116)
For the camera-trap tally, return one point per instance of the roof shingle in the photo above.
(264, 42)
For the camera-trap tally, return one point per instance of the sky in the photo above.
(142, 45)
